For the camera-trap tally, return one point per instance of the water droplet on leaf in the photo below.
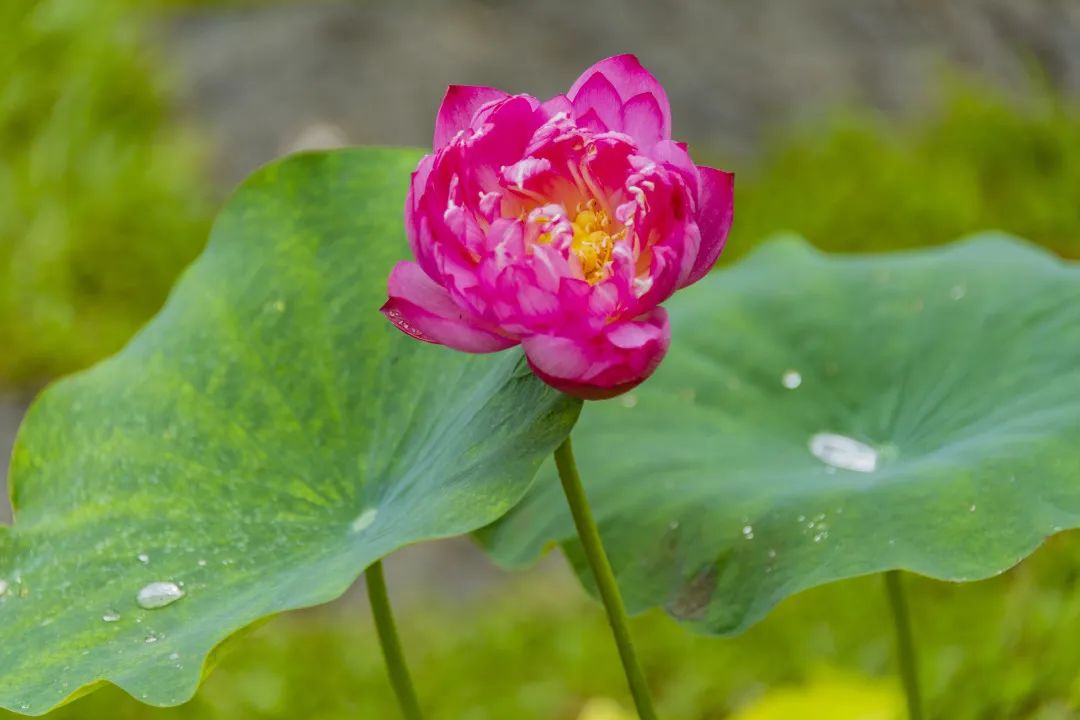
(791, 379)
(158, 595)
(364, 520)
(843, 452)
(111, 616)
(143, 558)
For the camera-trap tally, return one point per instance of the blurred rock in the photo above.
(257, 77)
(317, 136)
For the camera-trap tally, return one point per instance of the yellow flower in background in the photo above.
(830, 698)
(604, 709)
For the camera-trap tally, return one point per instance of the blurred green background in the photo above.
(864, 126)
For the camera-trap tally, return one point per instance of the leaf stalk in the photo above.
(905, 645)
(593, 546)
(396, 667)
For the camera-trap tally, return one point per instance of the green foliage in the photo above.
(861, 184)
(259, 444)
(725, 483)
(537, 650)
(101, 201)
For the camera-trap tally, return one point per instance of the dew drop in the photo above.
(143, 558)
(201, 563)
(843, 452)
(791, 379)
(748, 532)
(629, 400)
(111, 616)
(174, 656)
(772, 554)
(364, 520)
(396, 317)
(151, 638)
(673, 525)
(158, 595)
(972, 508)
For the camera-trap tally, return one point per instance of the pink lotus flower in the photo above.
(559, 225)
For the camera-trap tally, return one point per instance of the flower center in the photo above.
(593, 241)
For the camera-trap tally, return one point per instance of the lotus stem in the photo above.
(905, 646)
(391, 644)
(589, 535)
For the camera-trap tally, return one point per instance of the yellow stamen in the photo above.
(593, 242)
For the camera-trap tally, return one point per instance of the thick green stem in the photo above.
(905, 647)
(605, 578)
(391, 644)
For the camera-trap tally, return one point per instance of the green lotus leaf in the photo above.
(824, 417)
(264, 440)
